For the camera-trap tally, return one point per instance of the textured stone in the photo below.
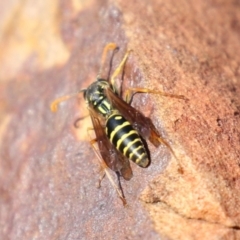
(49, 172)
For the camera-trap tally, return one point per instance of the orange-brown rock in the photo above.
(48, 171)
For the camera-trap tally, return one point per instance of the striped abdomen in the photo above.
(126, 139)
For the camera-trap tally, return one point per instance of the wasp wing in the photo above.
(141, 123)
(110, 155)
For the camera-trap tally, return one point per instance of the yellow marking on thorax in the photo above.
(95, 102)
(101, 110)
(108, 106)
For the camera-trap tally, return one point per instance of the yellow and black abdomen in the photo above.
(126, 139)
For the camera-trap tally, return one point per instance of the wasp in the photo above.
(119, 127)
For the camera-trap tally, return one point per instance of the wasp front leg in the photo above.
(107, 48)
(118, 70)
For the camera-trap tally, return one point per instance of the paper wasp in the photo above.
(119, 128)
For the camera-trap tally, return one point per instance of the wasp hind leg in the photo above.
(130, 92)
(105, 172)
(102, 171)
(120, 187)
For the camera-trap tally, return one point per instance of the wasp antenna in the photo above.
(54, 104)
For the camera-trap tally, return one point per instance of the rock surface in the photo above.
(49, 172)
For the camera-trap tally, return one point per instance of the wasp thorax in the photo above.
(95, 96)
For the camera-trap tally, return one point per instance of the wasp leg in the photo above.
(180, 168)
(109, 46)
(118, 70)
(120, 185)
(102, 168)
(102, 172)
(101, 177)
(130, 92)
(76, 123)
(106, 172)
